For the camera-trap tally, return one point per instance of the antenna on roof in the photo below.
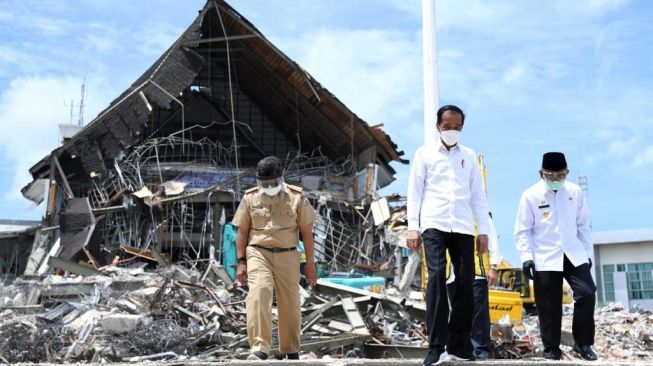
(72, 105)
(81, 105)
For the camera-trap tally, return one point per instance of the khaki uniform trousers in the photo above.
(267, 271)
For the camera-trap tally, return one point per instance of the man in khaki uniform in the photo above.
(269, 219)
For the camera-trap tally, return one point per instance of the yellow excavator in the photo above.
(512, 278)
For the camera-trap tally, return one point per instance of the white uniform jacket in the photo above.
(551, 225)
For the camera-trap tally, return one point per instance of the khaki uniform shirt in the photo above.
(274, 221)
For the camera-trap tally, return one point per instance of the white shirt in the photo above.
(551, 225)
(445, 191)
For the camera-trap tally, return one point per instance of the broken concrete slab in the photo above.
(120, 323)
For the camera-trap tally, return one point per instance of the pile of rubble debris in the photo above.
(621, 335)
(175, 312)
(197, 312)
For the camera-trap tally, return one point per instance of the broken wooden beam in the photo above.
(145, 254)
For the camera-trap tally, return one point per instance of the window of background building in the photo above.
(640, 281)
(608, 282)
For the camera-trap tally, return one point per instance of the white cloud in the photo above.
(47, 25)
(103, 42)
(154, 37)
(594, 8)
(12, 59)
(644, 158)
(376, 73)
(622, 147)
(5, 15)
(31, 109)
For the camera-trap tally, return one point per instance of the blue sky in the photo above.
(532, 77)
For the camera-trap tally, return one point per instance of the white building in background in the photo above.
(623, 267)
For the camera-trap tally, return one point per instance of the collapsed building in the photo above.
(133, 259)
(163, 167)
(153, 181)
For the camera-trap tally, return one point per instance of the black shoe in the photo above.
(433, 356)
(293, 356)
(585, 352)
(553, 354)
(257, 356)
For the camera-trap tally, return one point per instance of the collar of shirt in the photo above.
(443, 148)
(264, 198)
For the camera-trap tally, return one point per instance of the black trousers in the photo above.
(453, 332)
(481, 319)
(548, 301)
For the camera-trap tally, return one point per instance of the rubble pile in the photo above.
(178, 313)
(621, 335)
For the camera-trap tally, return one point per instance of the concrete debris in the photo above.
(120, 323)
(193, 310)
(621, 336)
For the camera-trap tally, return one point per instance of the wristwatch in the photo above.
(242, 259)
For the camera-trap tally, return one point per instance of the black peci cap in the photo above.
(554, 161)
(268, 168)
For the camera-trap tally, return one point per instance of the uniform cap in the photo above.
(268, 168)
(554, 161)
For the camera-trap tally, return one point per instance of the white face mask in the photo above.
(272, 191)
(450, 137)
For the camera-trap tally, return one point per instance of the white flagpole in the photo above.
(430, 64)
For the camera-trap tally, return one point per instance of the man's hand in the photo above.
(492, 277)
(481, 244)
(310, 273)
(413, 239)
(241, 273)
(529, 269)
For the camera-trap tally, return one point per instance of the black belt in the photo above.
(274, 249)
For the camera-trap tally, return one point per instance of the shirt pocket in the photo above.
(286, 217)
(543, 214)
(259, 218)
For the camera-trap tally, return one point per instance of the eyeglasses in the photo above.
(555, 176)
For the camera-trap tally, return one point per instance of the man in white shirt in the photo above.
(445, 196)
(552, 235)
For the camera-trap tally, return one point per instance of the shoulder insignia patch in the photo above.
(295, 188)
(253, 189)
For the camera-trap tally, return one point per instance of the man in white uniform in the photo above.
(445, 196)
(552, 235)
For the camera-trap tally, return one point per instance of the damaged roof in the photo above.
(277, 84)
